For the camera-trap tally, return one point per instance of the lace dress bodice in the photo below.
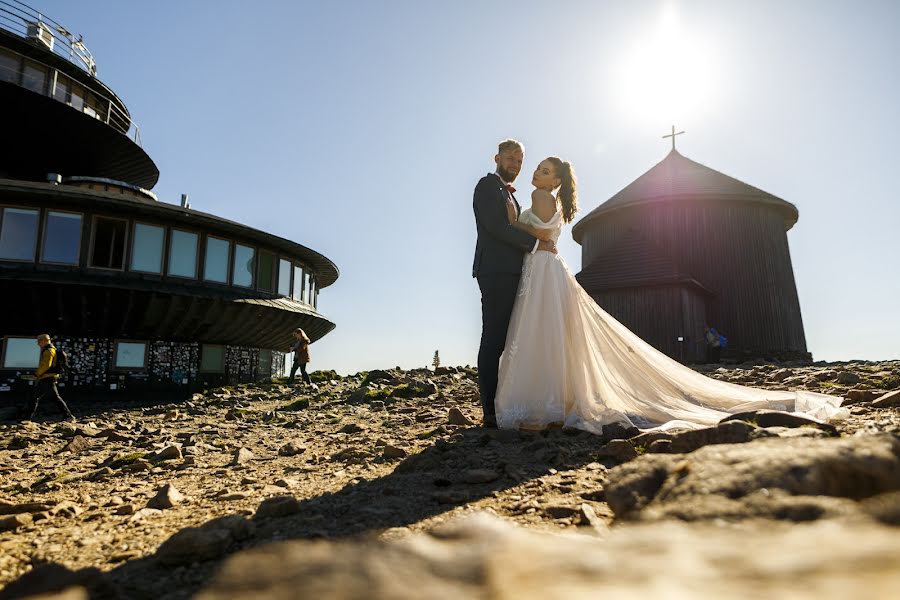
(555, 223)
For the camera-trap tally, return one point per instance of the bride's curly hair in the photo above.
(568, 187)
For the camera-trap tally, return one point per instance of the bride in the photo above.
(568, 362)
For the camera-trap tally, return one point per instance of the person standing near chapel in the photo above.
(46, 377)
(499, 252)
(300, 348)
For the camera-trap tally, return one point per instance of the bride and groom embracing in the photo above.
(551, 356)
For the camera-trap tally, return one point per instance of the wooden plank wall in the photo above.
(738, 249)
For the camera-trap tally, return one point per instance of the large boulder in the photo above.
(483, 557)
(762, 478)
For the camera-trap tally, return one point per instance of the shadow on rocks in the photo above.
(471, 465)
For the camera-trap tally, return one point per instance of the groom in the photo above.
(498, 264)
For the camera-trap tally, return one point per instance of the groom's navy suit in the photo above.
(498, 267)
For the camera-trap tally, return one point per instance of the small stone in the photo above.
(660, 446)
(286, 482)
(167, 453)
(889, 400)
(126, 510)
(233, 496)
(13, 522)
(620, 450)
(144, 513)
(194, 545)
(242, 456)
(589, 517)
(167, 497)
(393, 452)
(66, 509)
(77, 445)
(456, 417)
(561, 512)
(351, 428)
(857, 396)
(848, 378)
(291, 449)
(280, 506)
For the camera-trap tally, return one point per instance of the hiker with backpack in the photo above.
(53, 363)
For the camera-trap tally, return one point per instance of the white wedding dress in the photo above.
(567, 361)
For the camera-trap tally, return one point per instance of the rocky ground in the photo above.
(364, 481)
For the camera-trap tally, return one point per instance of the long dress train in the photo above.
(568, 361)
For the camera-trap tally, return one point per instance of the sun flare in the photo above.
(666, 74)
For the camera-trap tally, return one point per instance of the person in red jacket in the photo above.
(46, 375)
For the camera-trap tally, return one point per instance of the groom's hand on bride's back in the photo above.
(547, 246)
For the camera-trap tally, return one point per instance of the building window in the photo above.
(10, 64)
(34, 77)
(108, 245)
(76, 96)
(61, 88)
(243, 266)
(147, 249)
(21, 353)
(284, 278)
(265, 365)
(265, 273)
(312, 290)
(18, 234)
(298, 284)
(131, 355)
(212, 359)
(62, 238)
(215, 267)
(303, 296)
(183, 254)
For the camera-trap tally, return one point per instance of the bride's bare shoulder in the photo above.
(543, 204)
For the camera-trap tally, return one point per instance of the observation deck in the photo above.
(58, 117)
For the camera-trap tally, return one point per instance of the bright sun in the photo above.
(667, 74)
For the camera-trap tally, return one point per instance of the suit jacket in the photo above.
(500, 247)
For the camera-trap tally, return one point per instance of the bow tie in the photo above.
(510, 188)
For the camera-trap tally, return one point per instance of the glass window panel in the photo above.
(18, 233)
(298, 283)
(21, 353)
(243, 266)
(216, 265)
(147, 250)
(266, 271)
(62, 238)
(183, 254)
(131, 355)
(61, 92)
(212, 358)
(108, 249)
(284, 278)
(77, 97)
(303, 291)
(9, 67)
(34, 77)
(265, 364)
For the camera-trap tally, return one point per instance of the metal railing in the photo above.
(37, 76)
(19, 18)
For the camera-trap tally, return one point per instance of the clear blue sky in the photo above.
(360, 128)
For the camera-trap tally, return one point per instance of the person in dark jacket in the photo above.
(300, 348)
(499, 252)
(46, 377)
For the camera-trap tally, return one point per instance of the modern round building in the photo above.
(141, 294)
(683, 246)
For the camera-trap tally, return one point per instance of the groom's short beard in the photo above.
(506, 175)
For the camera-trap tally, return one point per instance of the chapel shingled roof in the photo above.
(678, 177)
